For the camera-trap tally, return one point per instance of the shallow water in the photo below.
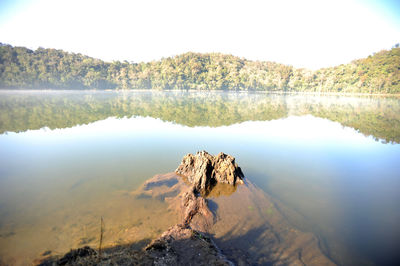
(68, 158)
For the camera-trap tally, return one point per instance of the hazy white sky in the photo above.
(311, 33)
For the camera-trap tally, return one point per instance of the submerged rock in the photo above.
(184, 202)
(204, 170)
(243, 221)
(180, 245)
(73, 255)
(195, 212)
(76, 256)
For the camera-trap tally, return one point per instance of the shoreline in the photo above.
(344, 94)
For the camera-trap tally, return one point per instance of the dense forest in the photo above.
(28, 110)
(22, 68)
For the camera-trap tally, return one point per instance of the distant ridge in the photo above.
(22, 68)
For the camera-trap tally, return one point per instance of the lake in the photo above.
(68, 158)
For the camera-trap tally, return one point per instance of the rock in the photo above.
(243, 220)
(46, 253)
(250, 226)
(180, 245)
(160, 187)
(195, 212)
(188, 206)
(73, 255)
(204, 170)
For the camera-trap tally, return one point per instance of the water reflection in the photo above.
(21, 111)
(330, 179)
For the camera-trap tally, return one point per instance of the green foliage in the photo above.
(56, 69)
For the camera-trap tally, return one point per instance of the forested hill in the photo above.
(22, 68)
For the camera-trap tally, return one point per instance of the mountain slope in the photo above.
(50, 68)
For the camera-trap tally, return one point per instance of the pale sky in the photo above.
(310, 33)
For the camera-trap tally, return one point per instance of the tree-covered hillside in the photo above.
(22, 68)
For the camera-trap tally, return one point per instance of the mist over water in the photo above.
(68, 158)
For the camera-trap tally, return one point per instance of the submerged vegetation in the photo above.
(371, 116)
(50, 68)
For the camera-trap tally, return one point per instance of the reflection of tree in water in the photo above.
(379, 117)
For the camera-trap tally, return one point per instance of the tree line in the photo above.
(22, 68)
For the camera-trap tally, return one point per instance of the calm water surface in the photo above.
(68, 158)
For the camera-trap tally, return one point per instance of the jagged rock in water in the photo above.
(204, 170)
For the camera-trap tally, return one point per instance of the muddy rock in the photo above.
(184, 201)
(71, 258)
(246, 223)
(204, 170)
(180, 245)
(195, 212)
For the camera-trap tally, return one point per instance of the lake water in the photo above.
(68, 158)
